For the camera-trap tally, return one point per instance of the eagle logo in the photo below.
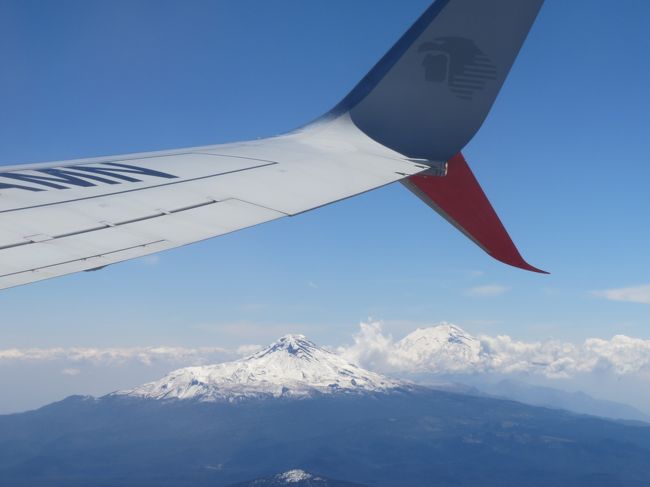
(458, 62)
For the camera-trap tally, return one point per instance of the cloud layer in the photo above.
(487, 291)
(446, 349)
(114, 356)
(440, 349)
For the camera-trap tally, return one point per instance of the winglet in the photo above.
(430, 93)
(459, 198)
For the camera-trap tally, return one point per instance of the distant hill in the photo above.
(579, 402)
(296, 406)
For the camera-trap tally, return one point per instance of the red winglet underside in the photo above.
(459, 198)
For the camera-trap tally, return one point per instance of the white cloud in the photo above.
(501, 354)
(622, 354)
(475, 274)
(371, 348)
(71, 372)
(10, 354)
(487, 291)
(634, 294)
(116, 355)
(150, 260)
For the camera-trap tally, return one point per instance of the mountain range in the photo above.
(297, 407)
(577, 401)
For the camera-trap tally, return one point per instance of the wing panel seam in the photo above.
(136, 220)
(85, 198)
(83, 258)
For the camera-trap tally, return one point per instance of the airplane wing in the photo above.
(409, 116)
(59, 219)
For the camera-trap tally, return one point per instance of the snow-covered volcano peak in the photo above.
(443, 333)
(294, 345)
(293, 366)
(294, 476)
(441, 347)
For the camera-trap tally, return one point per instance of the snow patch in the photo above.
(294, 476)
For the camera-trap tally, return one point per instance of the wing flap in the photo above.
(60, 268)
(101, 247)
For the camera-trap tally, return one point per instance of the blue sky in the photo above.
(563, 157)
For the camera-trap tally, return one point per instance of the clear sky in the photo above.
(563, 156)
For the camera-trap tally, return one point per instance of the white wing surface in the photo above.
(61, 218)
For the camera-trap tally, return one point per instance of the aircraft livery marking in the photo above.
(458, 62)
(77, 176)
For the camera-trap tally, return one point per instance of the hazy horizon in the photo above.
(608, 369)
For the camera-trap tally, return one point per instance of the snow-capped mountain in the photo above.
(291, 367)
(296, 478)
(444, 347)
